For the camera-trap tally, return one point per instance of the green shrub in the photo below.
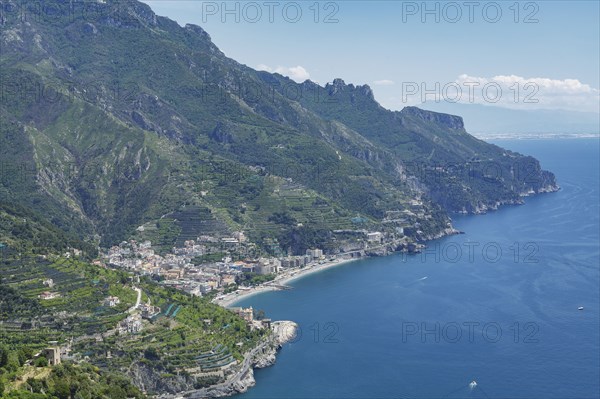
(41, 362)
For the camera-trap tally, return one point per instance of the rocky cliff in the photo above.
(242, 377)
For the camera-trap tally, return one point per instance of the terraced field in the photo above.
(190, 335)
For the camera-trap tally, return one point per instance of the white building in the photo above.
(374, 236)
(112, 301)
(131, 325)
(315, 253)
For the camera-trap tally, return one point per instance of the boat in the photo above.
(580, 308)
(472, 384)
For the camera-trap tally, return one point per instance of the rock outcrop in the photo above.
(264, 355)
(450, 121)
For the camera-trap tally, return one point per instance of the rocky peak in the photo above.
(337, 86)
(366, 91)
(142, 12)
(198, 31)
(309, 84)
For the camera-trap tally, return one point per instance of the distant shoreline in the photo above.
(536, 136)
(288, 276)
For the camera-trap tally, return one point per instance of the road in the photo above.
(138, 301)
(111, 332)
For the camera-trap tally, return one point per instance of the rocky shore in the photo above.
(264, 355)
(483, 208)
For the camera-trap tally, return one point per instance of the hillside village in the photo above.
(211, 265)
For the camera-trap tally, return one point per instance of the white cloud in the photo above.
(263, 67)
(511, 91)
(297, 73)
(384, 82)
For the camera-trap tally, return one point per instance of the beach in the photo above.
(280, 281)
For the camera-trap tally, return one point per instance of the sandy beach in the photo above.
(281, 279)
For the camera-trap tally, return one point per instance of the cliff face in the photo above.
(242, 377)
(448, 121)
(149, 379)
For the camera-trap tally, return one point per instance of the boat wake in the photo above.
(415, 282)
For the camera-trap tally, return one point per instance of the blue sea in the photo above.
(497, 305)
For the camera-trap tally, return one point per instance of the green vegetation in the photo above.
(208, 258)
(22, 230)
(13, 304)
(256, 279)
(80, 288)
(188, 333)
(67, 381)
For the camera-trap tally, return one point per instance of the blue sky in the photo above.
(553, 47)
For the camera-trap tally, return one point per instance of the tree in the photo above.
(21, 356)
(41, 362)
(35, 385)
(61, 389)
(3, 356)
(151, 354)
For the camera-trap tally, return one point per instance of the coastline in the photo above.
(288, 276)
(246, 381)
(263, 355)
(281, 280)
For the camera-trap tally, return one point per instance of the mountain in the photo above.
(115, 118)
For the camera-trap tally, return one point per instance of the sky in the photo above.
(518, 55)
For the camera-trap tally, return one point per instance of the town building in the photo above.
(316, 254)
(131, 325)
(245, 313)
(149, 311)
(53, 355)
(47, 295)
(374, 236)
(173, 274)
(48, 283)
(112, 301)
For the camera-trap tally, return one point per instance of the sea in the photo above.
(492, 313)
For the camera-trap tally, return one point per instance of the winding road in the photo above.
(138, 301)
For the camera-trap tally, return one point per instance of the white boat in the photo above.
(580, 308)
(472, 384)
